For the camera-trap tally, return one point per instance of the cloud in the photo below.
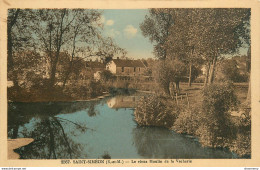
(130, 31)
(110, 22)
(113, 33)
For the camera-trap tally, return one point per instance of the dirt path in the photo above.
(16, 143)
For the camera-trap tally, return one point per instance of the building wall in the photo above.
(111, 66)
(131, 71)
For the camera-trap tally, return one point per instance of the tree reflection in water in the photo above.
(39, 121)
(160, 143)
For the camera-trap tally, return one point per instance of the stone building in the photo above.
(123, 67)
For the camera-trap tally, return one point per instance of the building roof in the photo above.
(95, 64)
(128, 63)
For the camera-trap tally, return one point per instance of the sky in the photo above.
(123, 27)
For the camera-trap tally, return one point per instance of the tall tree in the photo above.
(76, 31)
(52, 30)
(19, 41)
(156, 26)
(183, 42)
(220, 34)
(168, 71)
(12, 19)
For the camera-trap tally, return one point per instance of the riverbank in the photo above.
(94, 91)
(206, 114)
(83, 127)
(13, 144)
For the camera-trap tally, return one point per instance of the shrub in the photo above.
(85, 91)
(242, 144)
(218, 99)
(188, 120)
(216, 128)
(156, 111)
(106, 75)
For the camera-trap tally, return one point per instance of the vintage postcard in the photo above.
(130, 83)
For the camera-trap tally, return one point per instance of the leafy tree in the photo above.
(156, 26)
(221, 28)
(184, 37)
(106, 75)
(193, 35)
(18, 38)
(231, 71)
(53, 32)
(168, 71)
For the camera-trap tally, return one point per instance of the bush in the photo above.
(188, 120)
(216, 128)
(156, 111)
(85, 91)
(242, 144)
(106, 75)
(210, 121)
(231, 71)
(218, 99)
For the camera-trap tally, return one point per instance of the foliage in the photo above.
(219, 99)
(242, 143)
(106, 75)
(156, 111)
(231, 71)
(193, 35)
(156, 26)
(188, 121)
(169, 71)
(85, 91)
(216, 128)
(53, 40)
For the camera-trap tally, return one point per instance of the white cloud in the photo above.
(113, 33)
(130, 31)
(110, 22)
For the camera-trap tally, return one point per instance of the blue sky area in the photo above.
(123, 26)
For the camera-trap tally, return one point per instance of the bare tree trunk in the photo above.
(248, 64)
(67, 74)
(212, 71)
(53, 71)
(10, 49)
(190, 74)
(177, 86)
(248, 98)
(58, 47)
(72, 57)
(167, 88)
(207, 75)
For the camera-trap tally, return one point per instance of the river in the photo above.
(98, 128)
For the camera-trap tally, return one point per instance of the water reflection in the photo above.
(39, 121)
(95, 129)
(123, 102)
(154, 142)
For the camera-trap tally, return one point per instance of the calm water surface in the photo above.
(91, 129)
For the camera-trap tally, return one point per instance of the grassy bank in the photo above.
(74, 90)
(43, 93)
(207, 116)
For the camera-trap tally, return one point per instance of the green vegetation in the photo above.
(209, 119)
(47, 49)
(41, 93)
(156, 111)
